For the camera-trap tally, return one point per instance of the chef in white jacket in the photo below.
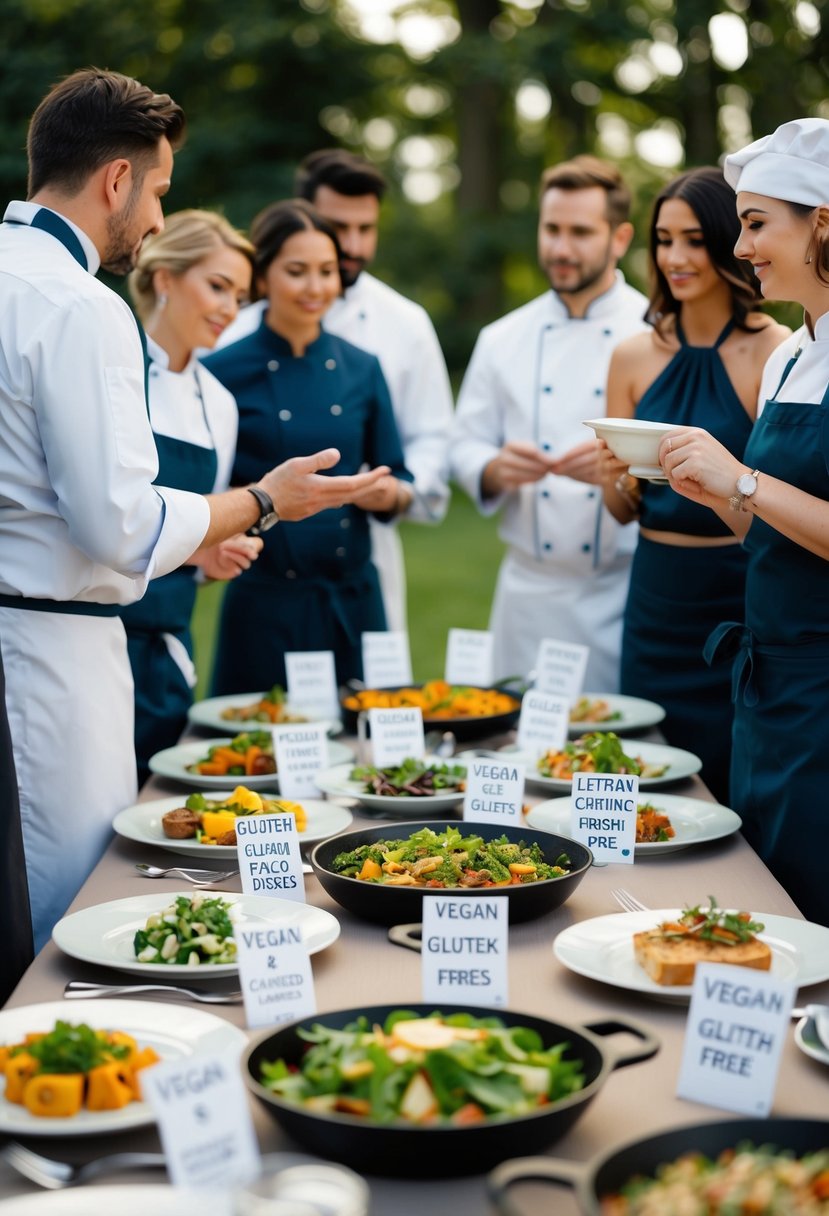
(519, 444)
(82, 527)
(346, 190)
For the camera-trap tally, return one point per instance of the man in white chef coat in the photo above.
(347, 190)
(519, 444)
(82, 527)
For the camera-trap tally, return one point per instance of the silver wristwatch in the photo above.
(746, 486)
(267, 513)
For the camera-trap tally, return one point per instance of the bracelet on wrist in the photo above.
(630, 490)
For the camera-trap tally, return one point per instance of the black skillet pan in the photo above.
(401, 1150)
(463, 728)
(607, 1174)
(395, 905)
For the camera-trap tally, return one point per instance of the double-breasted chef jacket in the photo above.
(537, 374)
(82, 530)
(380, 320)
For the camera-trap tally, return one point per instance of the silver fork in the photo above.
(199, 878)
(80, 990)
(627, 901)
(55, 1175)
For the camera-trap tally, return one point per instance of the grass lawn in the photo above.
(451, 573)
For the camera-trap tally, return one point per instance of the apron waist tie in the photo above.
(734, 641)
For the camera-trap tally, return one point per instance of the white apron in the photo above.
(70, 702)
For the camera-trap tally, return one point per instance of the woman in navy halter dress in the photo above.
(699, 366)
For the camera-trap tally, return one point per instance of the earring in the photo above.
(809, 260)
(161, 301)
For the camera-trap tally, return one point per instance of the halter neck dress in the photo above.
(679, 594)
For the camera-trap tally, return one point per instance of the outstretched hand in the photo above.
(298, 488)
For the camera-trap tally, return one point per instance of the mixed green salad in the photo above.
(189, 931)
(597, 752)
(458, 1070)
(412, 778)
(448, 859)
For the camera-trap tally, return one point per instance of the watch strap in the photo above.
(737, 500)
(266, 511)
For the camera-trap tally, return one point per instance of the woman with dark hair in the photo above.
(774, 498)
(296, 386)
(699, 365)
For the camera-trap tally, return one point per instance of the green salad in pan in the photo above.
(454, 1070)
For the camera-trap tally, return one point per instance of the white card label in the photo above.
(560, 668)
(469, 654)
(464, 956)
(543, 722)
(737, 1024)
(387, 662)
(494, 791)
(301, 754)
(204, 1121)
(275, 973)
(396, 735)
(312, 681)
(603, 814)
(269, 859)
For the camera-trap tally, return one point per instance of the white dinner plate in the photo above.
(694, 821)
(135, 1200)
(809, 1042)
(602, 949)
(182, 1033)
(173, 762)
(209, 713)
(337, 783)
(104, 933)
(142, 823)
(634, 714)
(680, 764)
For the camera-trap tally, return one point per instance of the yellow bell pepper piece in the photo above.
(57, 1096)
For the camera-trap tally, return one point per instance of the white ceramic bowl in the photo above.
(634, 441)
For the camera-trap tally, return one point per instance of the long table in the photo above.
(363, 965)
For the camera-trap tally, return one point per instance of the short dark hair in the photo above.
(272, 227)
(92, 117)
(343, 171)
(585, 173)
(711, 199)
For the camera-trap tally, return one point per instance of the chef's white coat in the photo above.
(537, 374)
(399, 332)
(81, 521)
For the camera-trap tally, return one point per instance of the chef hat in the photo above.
(792, 164)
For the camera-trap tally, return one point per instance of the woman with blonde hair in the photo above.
(187, 287)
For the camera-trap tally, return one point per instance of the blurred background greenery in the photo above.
(462, 103)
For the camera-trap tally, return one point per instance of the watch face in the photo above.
(746, 483)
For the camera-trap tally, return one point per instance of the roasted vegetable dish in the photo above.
(272, 707)
(740, 1181)
(247, 755)
(192, 932)
(454, 1070)
(437, 699)
(213, 821)
(593, 709)
(72, 1068)
(449, 859)
(652, 825)
(600, 752)
(412, 779)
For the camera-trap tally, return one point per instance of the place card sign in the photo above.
(396, 735)
(301, 752)
(267, 847)
(737, 1024)
(275, 974)
(543, 723)
(603, 814)
(312, 681)
(204, 1121)
(469, 657)
(464, 953)
(560, 668)
(387, 662)
(494, 791)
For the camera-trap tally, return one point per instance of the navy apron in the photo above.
(780, 677)
(162, 693)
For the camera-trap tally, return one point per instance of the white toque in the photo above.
(792, 164)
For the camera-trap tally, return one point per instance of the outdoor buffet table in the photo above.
(362, 966)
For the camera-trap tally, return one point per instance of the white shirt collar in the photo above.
(159, 356)
(25, 212)
(603, 305)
